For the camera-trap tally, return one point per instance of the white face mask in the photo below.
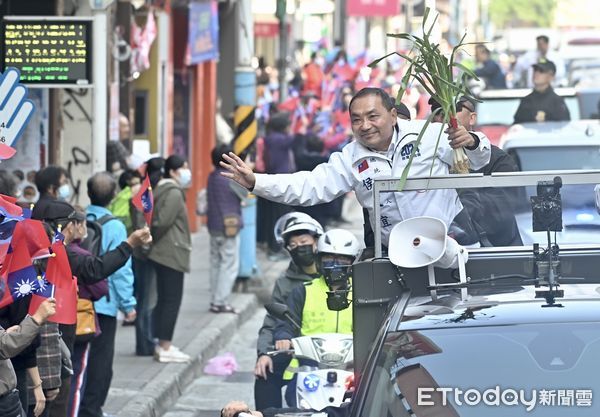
(64, 192)
(185, 177)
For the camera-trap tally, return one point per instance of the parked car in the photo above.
(495, 114)
(589, 100)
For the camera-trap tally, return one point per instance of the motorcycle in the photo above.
(329, 376)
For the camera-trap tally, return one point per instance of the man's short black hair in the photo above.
(49, 177)
(101, 189)
(373, 91)
(483, 49)
(127, 175)
(217, 154)
(543, 38)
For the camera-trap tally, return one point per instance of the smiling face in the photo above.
(372, 123)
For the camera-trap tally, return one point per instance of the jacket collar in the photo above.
(97, 211)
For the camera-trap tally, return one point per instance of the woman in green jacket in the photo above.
(170, 254)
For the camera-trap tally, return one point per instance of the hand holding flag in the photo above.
(58, 283)
(144, 201)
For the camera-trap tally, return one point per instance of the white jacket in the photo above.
(355, 167)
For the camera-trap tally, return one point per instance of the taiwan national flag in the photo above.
(144, 201)
(363, 166)
(19, 275)
(59, 283)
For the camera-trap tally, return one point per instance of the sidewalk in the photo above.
(142, 387)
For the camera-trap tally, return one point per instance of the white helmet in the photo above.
(339, 242)
(293, 222)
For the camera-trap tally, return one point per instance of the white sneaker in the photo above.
(171, 355)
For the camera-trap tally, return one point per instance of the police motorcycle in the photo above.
(327, 380)
(327, 373)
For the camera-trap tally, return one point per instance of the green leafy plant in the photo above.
(435, 72)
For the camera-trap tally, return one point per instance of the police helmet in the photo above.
(295, 222)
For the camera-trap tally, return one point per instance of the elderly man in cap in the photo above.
(88, 269)
(491, 209)
(543, 104)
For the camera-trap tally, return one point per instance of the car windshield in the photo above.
(502, 111)
(553, 158)
(476, 371)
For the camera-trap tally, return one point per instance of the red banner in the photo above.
(373, 7)
(268, 29)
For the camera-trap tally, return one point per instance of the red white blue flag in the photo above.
(363, 166)
(144, 201)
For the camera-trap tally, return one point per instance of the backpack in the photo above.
(93, 241)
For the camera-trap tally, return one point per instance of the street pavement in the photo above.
(144, 387)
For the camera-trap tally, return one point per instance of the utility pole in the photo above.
(280, 13)
(100, 64)
(339, 22)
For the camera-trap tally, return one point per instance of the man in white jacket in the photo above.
(382, 148)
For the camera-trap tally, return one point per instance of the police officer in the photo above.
(321, 305)
(300, 234)
(543, 104)
(382, 148)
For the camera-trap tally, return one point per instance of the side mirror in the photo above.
(277, 310)
(281, 312)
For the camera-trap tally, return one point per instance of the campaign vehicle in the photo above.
(441, 330)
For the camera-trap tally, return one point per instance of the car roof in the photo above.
(519, 93)
(514, 305)
(573, 133)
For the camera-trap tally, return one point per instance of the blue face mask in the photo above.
(185, 177)
(64, 192)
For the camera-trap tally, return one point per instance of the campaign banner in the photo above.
(365, 8)
(203, 32)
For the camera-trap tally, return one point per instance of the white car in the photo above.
(553, 146)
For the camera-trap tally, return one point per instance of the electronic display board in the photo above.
(48, 50)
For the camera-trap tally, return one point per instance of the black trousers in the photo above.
(99, 371)
(267, 392)
(144, 285)
(169, 290)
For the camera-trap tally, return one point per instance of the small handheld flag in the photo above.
(144, 201)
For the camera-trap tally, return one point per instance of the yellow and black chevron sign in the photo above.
(246, 128)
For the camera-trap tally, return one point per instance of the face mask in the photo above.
(338, 300)
(185, 177)
(303, 255)
(64, 192)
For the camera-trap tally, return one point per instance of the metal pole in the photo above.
(283, 47)
(100, 64)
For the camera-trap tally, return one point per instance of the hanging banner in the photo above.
(203, 32)
(365, 8)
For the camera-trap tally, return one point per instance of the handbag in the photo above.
(231, 225)
(86, 321)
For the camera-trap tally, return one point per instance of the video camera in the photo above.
(546, 206)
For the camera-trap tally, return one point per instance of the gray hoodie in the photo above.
(293, 277)
(10, 345)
